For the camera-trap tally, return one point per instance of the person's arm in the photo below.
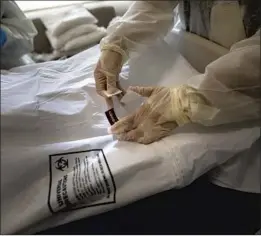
(229, 91)
(16, 27)
(231, 85)
(18, 33)
(142, 24)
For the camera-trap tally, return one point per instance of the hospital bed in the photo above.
(54, 133)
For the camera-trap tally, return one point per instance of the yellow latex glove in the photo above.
(164, 110)
(107, 72)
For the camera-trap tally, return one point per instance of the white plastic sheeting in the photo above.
(56, 154)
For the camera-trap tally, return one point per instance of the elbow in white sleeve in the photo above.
(142, 24)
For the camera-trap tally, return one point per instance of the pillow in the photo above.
(61, 21)
(60, 41)
(85, 40)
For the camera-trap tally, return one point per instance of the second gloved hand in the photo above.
(164, 110)
(107, 72)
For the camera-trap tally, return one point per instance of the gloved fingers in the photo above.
(111, 63)
(132, 121)
(144, 117)
(163, 119)
(148, 139)
(146, 136)
(123, 125)
(111, 87)
(100, 80)
(132, 135)
(142, 131)
(168, 126)
(106, 73)
(115, 91)
(143, 91)
(157, 133)
(104, 89)
(147, 133)
(101, 87)
(100, 90)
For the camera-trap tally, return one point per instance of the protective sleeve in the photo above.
(229, 90)
(142, 24)
(20, 31)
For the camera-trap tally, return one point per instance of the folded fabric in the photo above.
(79, 44)
(85, 40)
(56, 54)
(60, 41)
(61, 21)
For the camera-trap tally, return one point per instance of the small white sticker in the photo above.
(79, 180)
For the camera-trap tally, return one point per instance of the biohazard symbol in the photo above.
(61, 164)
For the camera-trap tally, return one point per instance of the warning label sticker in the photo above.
(79, 180)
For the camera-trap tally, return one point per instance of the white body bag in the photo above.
(59, 165)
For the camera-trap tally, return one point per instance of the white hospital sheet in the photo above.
(57, 162)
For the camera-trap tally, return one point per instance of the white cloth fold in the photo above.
(84, 40)
(59, 41)
(63, 20)
(80, 43)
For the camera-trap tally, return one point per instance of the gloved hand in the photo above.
(107, 72)
(164, 110)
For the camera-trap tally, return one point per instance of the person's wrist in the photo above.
(180, 107)
(118, 57)
(117, 49)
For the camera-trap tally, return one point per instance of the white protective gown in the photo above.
(20, 32)
(231, 83)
